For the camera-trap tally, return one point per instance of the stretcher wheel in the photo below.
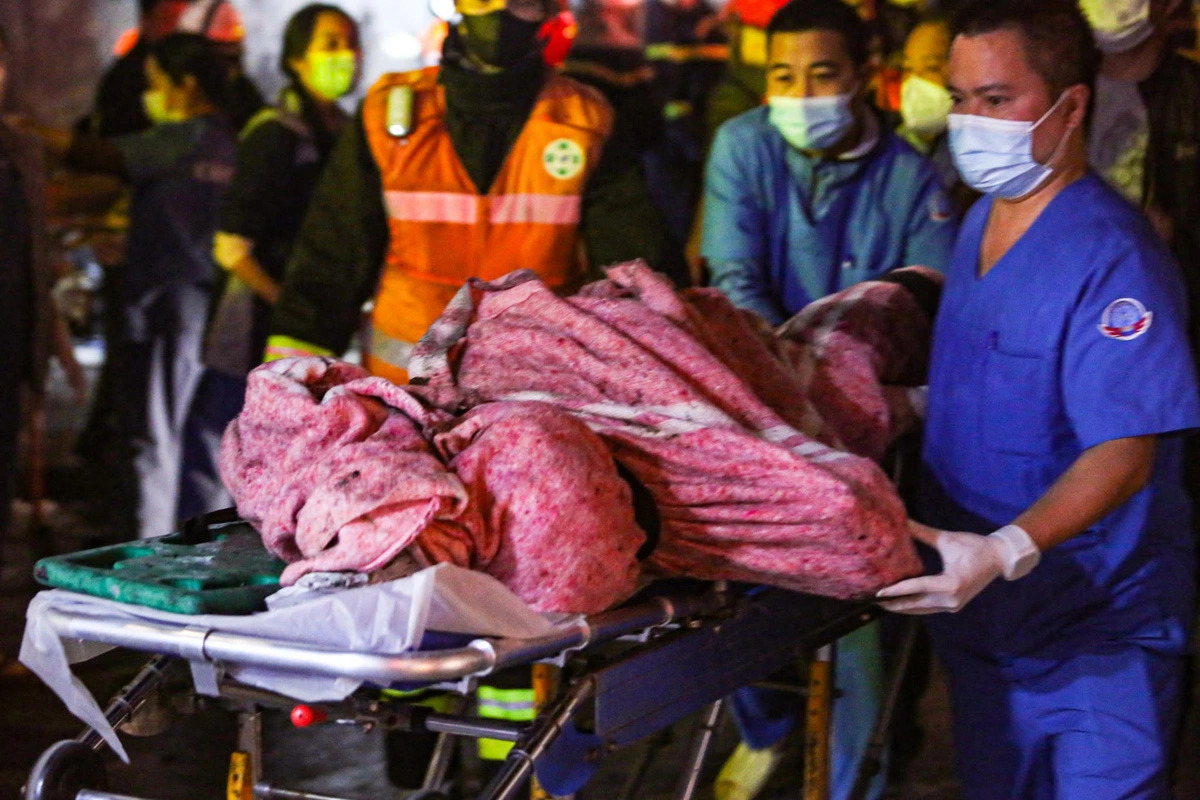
(65, 769)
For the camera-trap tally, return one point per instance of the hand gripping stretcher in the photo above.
(622, 675)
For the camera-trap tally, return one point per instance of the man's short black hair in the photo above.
(799, 16)
(1059, 43)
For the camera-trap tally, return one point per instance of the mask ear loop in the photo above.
(1054, 156)
(1058, 148)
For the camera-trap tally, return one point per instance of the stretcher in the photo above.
(622, 675)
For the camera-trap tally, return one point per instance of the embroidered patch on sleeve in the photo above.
(1125, 319)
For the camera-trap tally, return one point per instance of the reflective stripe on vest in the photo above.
(681, 53)
(286, 347)
(463, 209)
(390, 350)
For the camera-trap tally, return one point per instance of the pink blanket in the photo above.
(341, 471)
(695, 400)
(500, 456)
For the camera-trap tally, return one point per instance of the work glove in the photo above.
(969, 563)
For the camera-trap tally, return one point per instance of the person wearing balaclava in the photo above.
(806, 196)
(490, 163)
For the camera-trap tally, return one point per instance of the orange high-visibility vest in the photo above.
(444, 230)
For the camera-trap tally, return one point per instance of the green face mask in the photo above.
(331, 74)
(155, 105)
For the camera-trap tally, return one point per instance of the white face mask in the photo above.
(1119, 25)
(924, 105)
(812, 123)
(995, 156)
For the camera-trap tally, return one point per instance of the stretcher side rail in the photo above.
(476, 658)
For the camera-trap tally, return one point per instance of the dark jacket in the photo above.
(280, 156)
(340, 251)
(27, 155)
(1172, 175)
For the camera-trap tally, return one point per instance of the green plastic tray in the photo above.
(206, 568)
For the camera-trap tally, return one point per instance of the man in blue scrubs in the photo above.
(812, 193)
(804, 197)
(1061, 390)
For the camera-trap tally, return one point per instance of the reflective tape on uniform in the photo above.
(396, 352)
(540, 209)
(287, 347)
(463, 209)
(516, 705)
(453, 207)
(680, 53)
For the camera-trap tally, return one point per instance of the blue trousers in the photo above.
(764, 717)
(1097, 726)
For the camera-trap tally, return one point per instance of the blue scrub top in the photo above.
(1077, 336)
(782, 229)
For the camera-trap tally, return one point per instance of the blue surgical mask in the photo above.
(812, 123)
(995, 156)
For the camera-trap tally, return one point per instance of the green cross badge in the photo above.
(563, 159)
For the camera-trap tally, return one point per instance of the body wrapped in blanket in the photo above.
(532, 419)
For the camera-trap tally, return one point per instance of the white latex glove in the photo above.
(969, 563)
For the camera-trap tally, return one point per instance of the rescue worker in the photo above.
(1060, 390)
(488, 164)
(687, 50)
(485, 165)
(805, 197)
(280, 157)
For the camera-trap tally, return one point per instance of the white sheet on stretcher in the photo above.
(386, 618)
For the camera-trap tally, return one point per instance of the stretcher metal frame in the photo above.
(672, 654)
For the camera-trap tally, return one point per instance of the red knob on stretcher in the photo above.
(303, 716)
